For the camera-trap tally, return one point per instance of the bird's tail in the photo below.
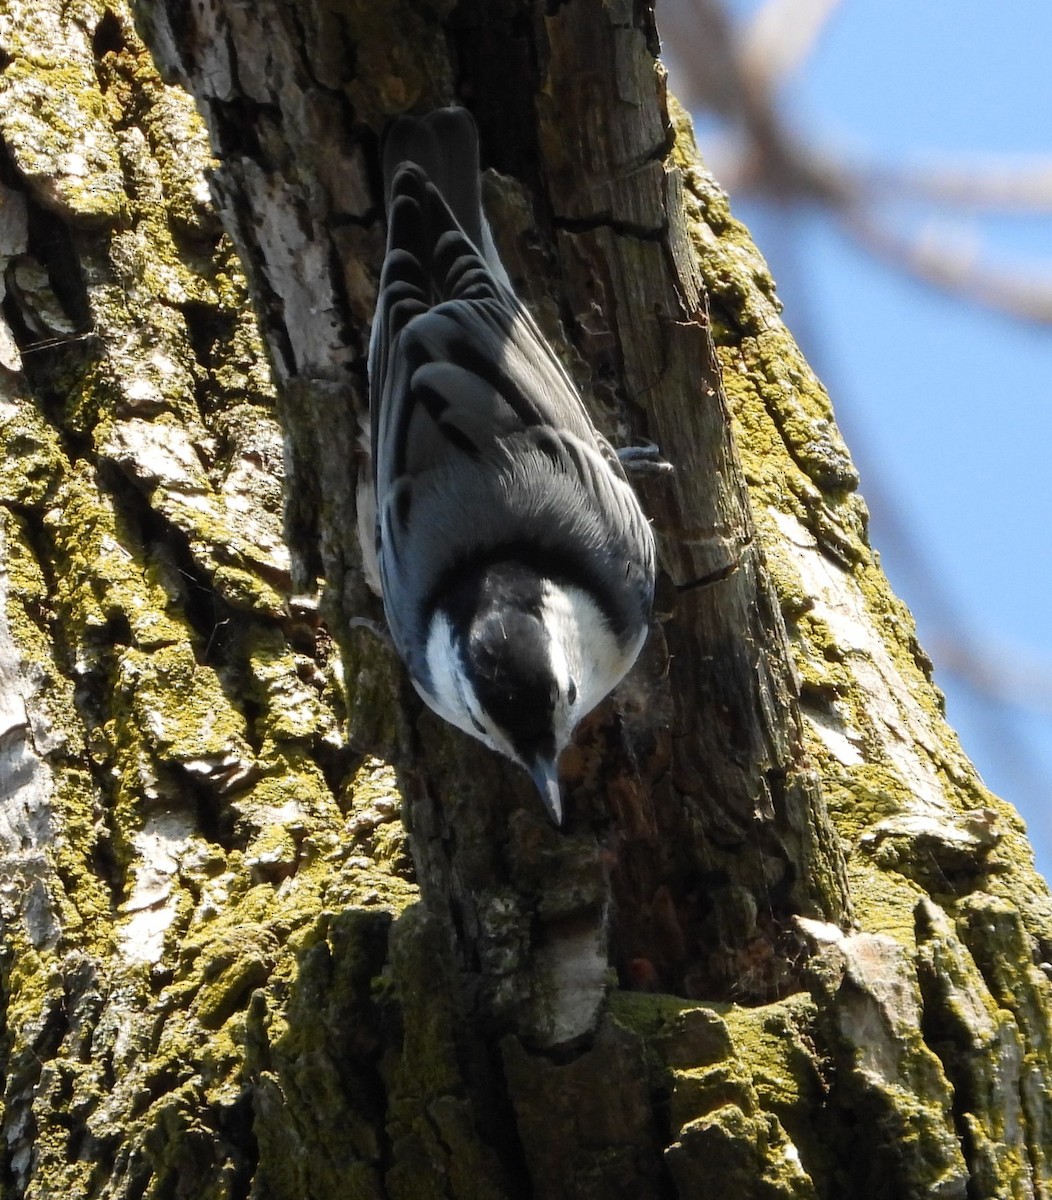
(444, 144)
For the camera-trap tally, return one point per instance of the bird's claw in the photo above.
(646, 460)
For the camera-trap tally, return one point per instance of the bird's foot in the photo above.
(646, 460)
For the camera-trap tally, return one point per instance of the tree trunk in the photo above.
(787, 946)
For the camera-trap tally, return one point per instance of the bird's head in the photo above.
(517, 660)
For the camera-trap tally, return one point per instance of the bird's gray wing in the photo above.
(468, 352)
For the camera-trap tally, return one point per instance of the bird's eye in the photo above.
(571, 692)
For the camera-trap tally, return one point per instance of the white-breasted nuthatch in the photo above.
(516, 565)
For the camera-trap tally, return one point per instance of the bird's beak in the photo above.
(546, 777)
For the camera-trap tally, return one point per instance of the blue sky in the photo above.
(945, 404)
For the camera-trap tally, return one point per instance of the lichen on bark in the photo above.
(180, 810)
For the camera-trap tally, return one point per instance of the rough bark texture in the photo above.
(788, 945)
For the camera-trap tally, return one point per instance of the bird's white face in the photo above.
(586, 661)
(583, 662)
(452, 693)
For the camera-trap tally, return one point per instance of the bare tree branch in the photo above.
(737, 74)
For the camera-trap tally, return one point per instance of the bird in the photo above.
(515, 563)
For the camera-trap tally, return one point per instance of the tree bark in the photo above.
(269, 928)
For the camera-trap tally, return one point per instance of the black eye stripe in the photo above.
(571, 692)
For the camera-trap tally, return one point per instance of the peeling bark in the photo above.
(788, 945)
